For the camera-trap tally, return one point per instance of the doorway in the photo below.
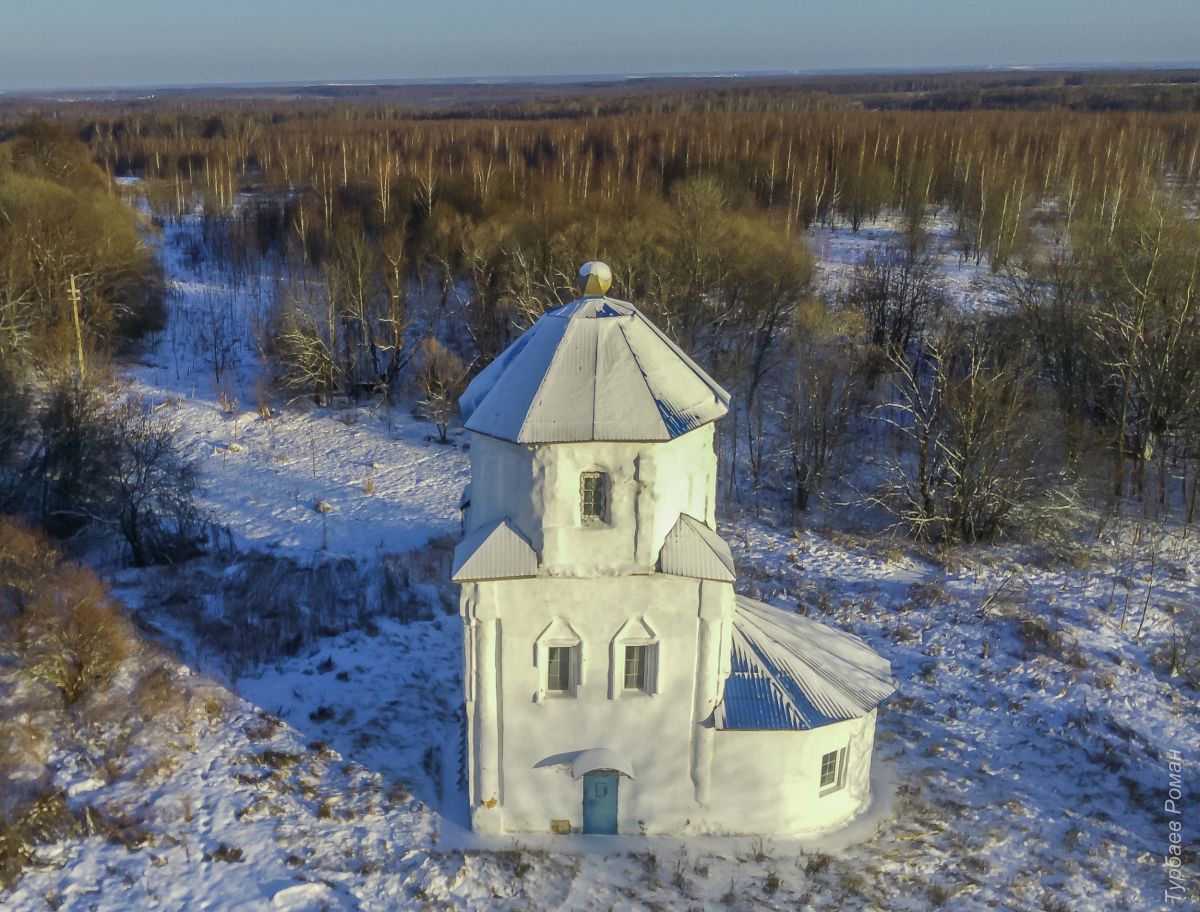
(600, 802)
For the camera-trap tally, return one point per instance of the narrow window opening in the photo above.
(593, 492)
(558, 669)
(635, 667)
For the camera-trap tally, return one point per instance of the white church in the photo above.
(614, 682)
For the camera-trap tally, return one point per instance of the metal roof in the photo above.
(594, 369)
(600, 758)
(494, 551)
(692, 549)
(789, 672)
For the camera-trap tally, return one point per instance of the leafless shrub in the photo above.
(441, 380)
(1038, 633)
(159, 698)
(26, 560)
(816, 864)
(897, 289)
(977, 460)
(45, 819)
(104, 458)
(773, 882)
(826, 389)
(226, 853)
(72, 636)
(1180, 655)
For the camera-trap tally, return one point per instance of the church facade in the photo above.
(613, 681)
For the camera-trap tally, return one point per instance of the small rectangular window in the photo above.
(833, 765)
(558, 669)
(641, 668)
(593, 490)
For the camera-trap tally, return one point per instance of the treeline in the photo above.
(388, 227)
(77, 284)
(60, 222)
(467, 230)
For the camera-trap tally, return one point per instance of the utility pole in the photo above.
(74, 296)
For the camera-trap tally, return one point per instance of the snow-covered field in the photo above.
(1022, 765)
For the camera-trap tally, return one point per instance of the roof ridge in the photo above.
(558, 350)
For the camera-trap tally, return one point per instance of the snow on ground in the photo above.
(968, 284)
(1021, 766)
(385, 488)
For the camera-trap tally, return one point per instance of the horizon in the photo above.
(69, 45)
(568, 79)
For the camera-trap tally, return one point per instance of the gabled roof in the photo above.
(790, 672)
(493, 551)
(693, 549)
(594, 369)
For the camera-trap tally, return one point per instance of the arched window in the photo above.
(593, 497)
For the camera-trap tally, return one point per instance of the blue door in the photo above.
(600, 802)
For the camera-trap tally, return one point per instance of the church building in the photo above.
(614, 682)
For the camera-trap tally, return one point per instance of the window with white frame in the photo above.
(635, 659)
(593, 497)
(559, 663)
(833, 771)
(639, 666)
(558, 657)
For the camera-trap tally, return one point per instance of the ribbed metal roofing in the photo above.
(594, 369)
(693, 549)
(789, 672)
(493, 551)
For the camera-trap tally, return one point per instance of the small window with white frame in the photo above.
(561, 665)
(640, 662)
(635, 659)
(558, 655)
(593, 497)
(833, 771)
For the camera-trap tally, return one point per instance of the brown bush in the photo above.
(72, 636)
(47, 818)
(26, 560)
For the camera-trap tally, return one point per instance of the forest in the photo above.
(411, 247)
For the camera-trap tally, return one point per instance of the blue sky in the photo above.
(95, 43)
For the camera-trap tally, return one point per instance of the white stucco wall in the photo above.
(537, 489)
(524, 738)
(689, 778)
(769, 782)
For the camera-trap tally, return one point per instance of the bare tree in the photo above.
(153, 486)
(1146, 332)
(441, 379)
(112, 461)
(975, 460)
(825, 391)
(898, 291)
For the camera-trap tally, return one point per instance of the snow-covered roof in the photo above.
(594, 369)
(600, 758)
(693, 549)
(493, 551)
(790, 672)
